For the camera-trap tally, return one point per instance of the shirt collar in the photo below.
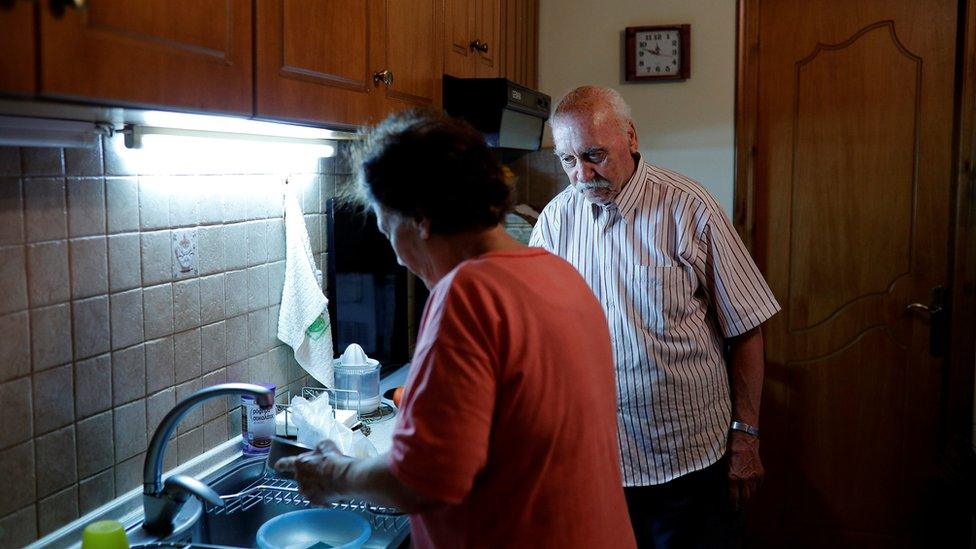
(629, 197)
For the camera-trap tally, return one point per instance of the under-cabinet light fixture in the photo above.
(139, 136)
(21, 131)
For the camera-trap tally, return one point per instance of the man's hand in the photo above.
(745, 468)
(320, 473)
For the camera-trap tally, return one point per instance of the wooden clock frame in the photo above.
(684, 33)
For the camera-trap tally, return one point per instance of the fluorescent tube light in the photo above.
(230, 143)
(21, 131)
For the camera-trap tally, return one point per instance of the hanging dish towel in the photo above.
(303, 322)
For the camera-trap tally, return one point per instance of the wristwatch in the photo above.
(745, 428)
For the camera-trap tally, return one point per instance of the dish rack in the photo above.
(272, 489)
(383, 412)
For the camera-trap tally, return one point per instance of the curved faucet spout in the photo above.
(152, 472)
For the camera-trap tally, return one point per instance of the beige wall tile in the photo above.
(96, 444)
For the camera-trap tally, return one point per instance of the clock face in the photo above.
(657, 52)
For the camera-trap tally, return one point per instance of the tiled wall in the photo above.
(98, 339)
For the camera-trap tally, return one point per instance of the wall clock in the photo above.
(660, 52)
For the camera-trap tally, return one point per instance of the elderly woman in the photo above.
(507, 433)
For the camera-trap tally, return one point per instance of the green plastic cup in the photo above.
(104, 534)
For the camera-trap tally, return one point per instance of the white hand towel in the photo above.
(303, 322)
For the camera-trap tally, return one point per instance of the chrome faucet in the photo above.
(162, 500)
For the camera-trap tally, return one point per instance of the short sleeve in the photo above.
(736, 289)
(441, 442)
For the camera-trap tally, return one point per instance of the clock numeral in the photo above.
(674, 52)
(641, 64)
(658, 69)
(674, 62)
(643, 44)
(674, 42)
(667, 68)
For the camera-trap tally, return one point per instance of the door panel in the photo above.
(488, 27)
(315, 59)
(853, 173)
(412, 47)
(186, 53)
(459, 20)
(17, 40)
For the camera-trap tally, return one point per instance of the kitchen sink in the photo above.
(254, 494)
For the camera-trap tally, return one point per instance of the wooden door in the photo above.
(487, 28)
(315, 60)
(520, 42)
(459, 32)
(192, 54)
(411, 47)
(853, 175)
(17, 40)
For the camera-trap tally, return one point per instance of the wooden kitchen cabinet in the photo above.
(346, 62)
(472, 38)
(17, 42)
(192, 54)
(520, 42)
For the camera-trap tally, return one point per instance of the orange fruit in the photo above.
(397, 395)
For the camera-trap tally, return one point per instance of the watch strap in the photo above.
(745, 428)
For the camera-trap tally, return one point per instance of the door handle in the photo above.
(478, 45)
(58, 7)
(383, 77)
(938, 318)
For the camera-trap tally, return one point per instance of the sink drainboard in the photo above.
(270, 489)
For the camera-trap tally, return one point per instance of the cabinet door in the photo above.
(412, 46)
(459, 24)
(315, 59)
(18, 62)
(487, 30)
(193, 54)
(520, 41)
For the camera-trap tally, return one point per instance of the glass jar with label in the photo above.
(257, 425)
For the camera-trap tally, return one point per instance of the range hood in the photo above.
(511, 116)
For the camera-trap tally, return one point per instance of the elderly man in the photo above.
(677, 286)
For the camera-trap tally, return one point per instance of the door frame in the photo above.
(957, 403)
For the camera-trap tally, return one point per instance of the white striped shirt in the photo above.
(675, 280)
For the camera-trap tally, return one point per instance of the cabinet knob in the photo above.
(58, 7)
(478, 45)
(383, 77)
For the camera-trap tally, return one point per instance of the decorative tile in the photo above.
(11, 210)
(51, 336)
(236, 338)
(184, 253)
(235, 246)
(187, 353)
(127, 318)
(95, 491)
(53, 405)
(18, 463)
(157, 258)
(128, 375)
(124, 262)
(154, 202)
(90, 319)
(55, 458)
(15, 353)
(93, 385)
(212, 298)
(89, 267)
(83, 162)
(258, 292)
(160, 371)
(47, 264)
(57, 510)
(130, 430)
(235, 293)
(41, 161)
(18, 413)
(186, 304)
(158, 310)
(96, 450)
(46, 216)
(214, 347)
(86, 206)
(122, 204)
(210, 249)
(19, 529)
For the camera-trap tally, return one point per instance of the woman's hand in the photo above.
(321, 473)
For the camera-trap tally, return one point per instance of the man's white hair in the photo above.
(590, 99)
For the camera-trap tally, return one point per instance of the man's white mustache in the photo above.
(597, 184)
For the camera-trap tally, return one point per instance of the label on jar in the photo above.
(258, 425)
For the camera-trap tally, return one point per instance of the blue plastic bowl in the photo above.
(314, 528)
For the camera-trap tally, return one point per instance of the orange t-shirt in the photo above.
(509, 411)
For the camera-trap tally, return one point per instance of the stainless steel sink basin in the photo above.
(255, 494)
